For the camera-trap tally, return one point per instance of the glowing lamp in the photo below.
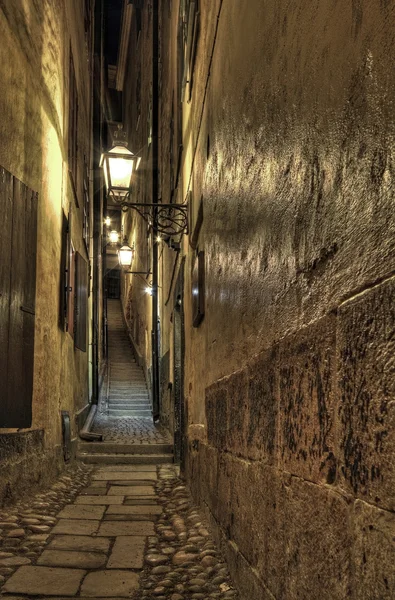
(113, 237)
(107, 221)
(119, 165)
(125, 255)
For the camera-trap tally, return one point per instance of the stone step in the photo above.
(131, 395)
(123, 448)
(126, 459)
(124, 412)
(138, 401)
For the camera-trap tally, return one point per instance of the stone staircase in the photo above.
(127, 393)
(125, 454)
(125, 420)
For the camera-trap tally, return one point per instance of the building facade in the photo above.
(276, 322)
(46, 249)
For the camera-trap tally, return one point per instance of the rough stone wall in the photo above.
(34, 58)
(291, 447)
(288, 134)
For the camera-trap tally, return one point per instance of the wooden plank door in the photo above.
(17, 289)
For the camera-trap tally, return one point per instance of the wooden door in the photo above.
(18, 247)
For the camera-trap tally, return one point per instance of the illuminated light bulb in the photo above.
(113, 236)
(107, 221)
(148, 290)
(158, 238)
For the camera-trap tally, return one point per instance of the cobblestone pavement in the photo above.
(131, 532)
(131, 430)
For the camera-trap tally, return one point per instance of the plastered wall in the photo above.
(37, 38)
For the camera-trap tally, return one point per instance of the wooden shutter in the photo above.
(81, 301)
(71, 280)
(18, 206)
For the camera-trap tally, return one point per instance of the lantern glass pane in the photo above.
(105, 169)
(125, 255)
(120, 171)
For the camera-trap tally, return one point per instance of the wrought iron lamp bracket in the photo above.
(168, 219)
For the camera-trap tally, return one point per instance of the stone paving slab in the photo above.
(129, 518)
(122, 475)
(140, 482)
(76, 526)
(94, 491)
(140, 500)
(110, 583)
(131, 490)
(82, 511)
(70, 558)
(127, 553)
(117, 528)
(127, 468)
(46, 581)
(99, 500)
(134, 510)
(83, 543)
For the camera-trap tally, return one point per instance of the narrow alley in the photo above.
(197, 281)
(123, 531)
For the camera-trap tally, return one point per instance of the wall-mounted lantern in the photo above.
(119, 165)
(125, 255)
(113, 236)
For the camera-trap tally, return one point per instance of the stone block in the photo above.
(134, 510)
(237, 388)
(110, 583)
(44, 581)
(97, 500)
(258, 521)
(70, 558)
(224, 491)
(76, 526)
(318, 542)
(94, 491)
(81, 543)
(81, 511)
(366, 410)
(124, 475)
(217, 414)
(263, 404)
(126, 468)
(131, 490)
(127, 553)
(307, 405)
(115, 528)
(374, 552)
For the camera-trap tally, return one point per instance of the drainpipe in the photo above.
(97, 195)
(155, 187)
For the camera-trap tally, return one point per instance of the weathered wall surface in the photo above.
(34, 100)
(296, 466)
(287, 137)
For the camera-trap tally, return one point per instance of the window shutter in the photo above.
(81, 302)
(18, 247)
(71, 280)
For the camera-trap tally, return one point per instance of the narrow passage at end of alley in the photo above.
(119, 531)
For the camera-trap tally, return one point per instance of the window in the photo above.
(73, 128)
(81, 302)
(18, 247)
(189, 29)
